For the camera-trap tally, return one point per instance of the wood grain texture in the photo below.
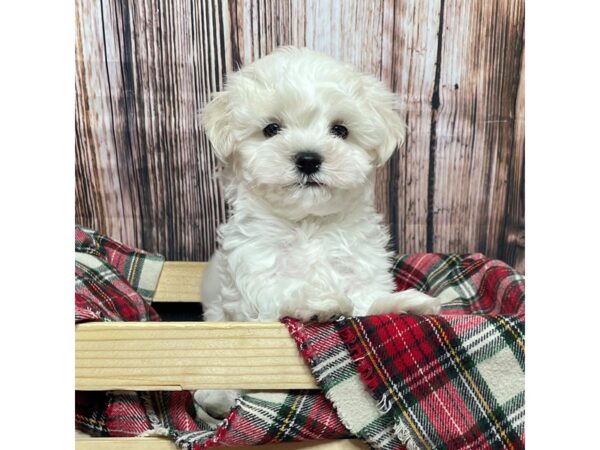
(157, 443)
(145, 68)
(152, 167)
(474, 123)
(411, 40)
(180, 282)
(514, 226)
(187, 355)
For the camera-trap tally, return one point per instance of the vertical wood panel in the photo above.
(145, 68)
(513, 243)
(474, 124)
(99, 192)
(410, 44)
(162, 186)
(260, 26)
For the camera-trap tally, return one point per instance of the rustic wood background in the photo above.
(146, 67)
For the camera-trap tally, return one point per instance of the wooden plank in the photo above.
(474, 123)
(157, 443)
(187, 355)
(513, 248)
(141, 152)
(180, 281)
(410, 46)
(259, 26)
(103, 199)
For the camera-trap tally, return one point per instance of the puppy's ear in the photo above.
(382, 103)
(216, 120)
(394, 137)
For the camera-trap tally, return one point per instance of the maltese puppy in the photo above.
(299, 136)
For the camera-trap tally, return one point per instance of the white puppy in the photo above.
(299, 136)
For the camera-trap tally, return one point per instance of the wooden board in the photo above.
(187, 355)
(180, 282)
(513, 248)
(474, 124)
(410, 41)
(144, 170)
(144, 173)
(155, 443)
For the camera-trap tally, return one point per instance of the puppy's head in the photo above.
(302, 131)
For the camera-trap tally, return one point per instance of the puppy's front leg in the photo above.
(322, 307)
(409, 301)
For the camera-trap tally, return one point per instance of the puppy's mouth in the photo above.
(311, 184)
(307, 184)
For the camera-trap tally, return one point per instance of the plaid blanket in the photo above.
(113, 282)
(453, 381)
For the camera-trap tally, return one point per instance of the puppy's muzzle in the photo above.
(308, 162)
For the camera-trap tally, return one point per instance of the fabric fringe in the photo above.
(403, 434)
(158, 429)
(385, 404)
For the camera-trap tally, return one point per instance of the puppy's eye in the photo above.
(340, 131)
(271, 130)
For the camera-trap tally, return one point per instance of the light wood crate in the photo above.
(182, 355)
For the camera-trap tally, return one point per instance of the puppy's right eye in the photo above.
(271, 130)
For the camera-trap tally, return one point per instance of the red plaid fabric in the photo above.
(453, 381)
(257, 419)
(114, 282)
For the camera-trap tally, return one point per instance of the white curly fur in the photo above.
(290, 248)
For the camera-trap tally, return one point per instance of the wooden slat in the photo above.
(409, 64)
(474, 123)
(187, 355)
(514, 227)
(104, 194)
(145, 172)
(156, 443)
(180, 282)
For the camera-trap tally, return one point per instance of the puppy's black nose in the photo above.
(308, 162)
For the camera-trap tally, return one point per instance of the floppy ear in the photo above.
(382, 103)
(394, 137)
(216, 120)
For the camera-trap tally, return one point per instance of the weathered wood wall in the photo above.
(145, 68)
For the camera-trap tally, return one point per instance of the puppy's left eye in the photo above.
(340, 131)
(271, 130)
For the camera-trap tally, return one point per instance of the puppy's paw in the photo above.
(320, 309)
(409, 301)
(212, 406)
